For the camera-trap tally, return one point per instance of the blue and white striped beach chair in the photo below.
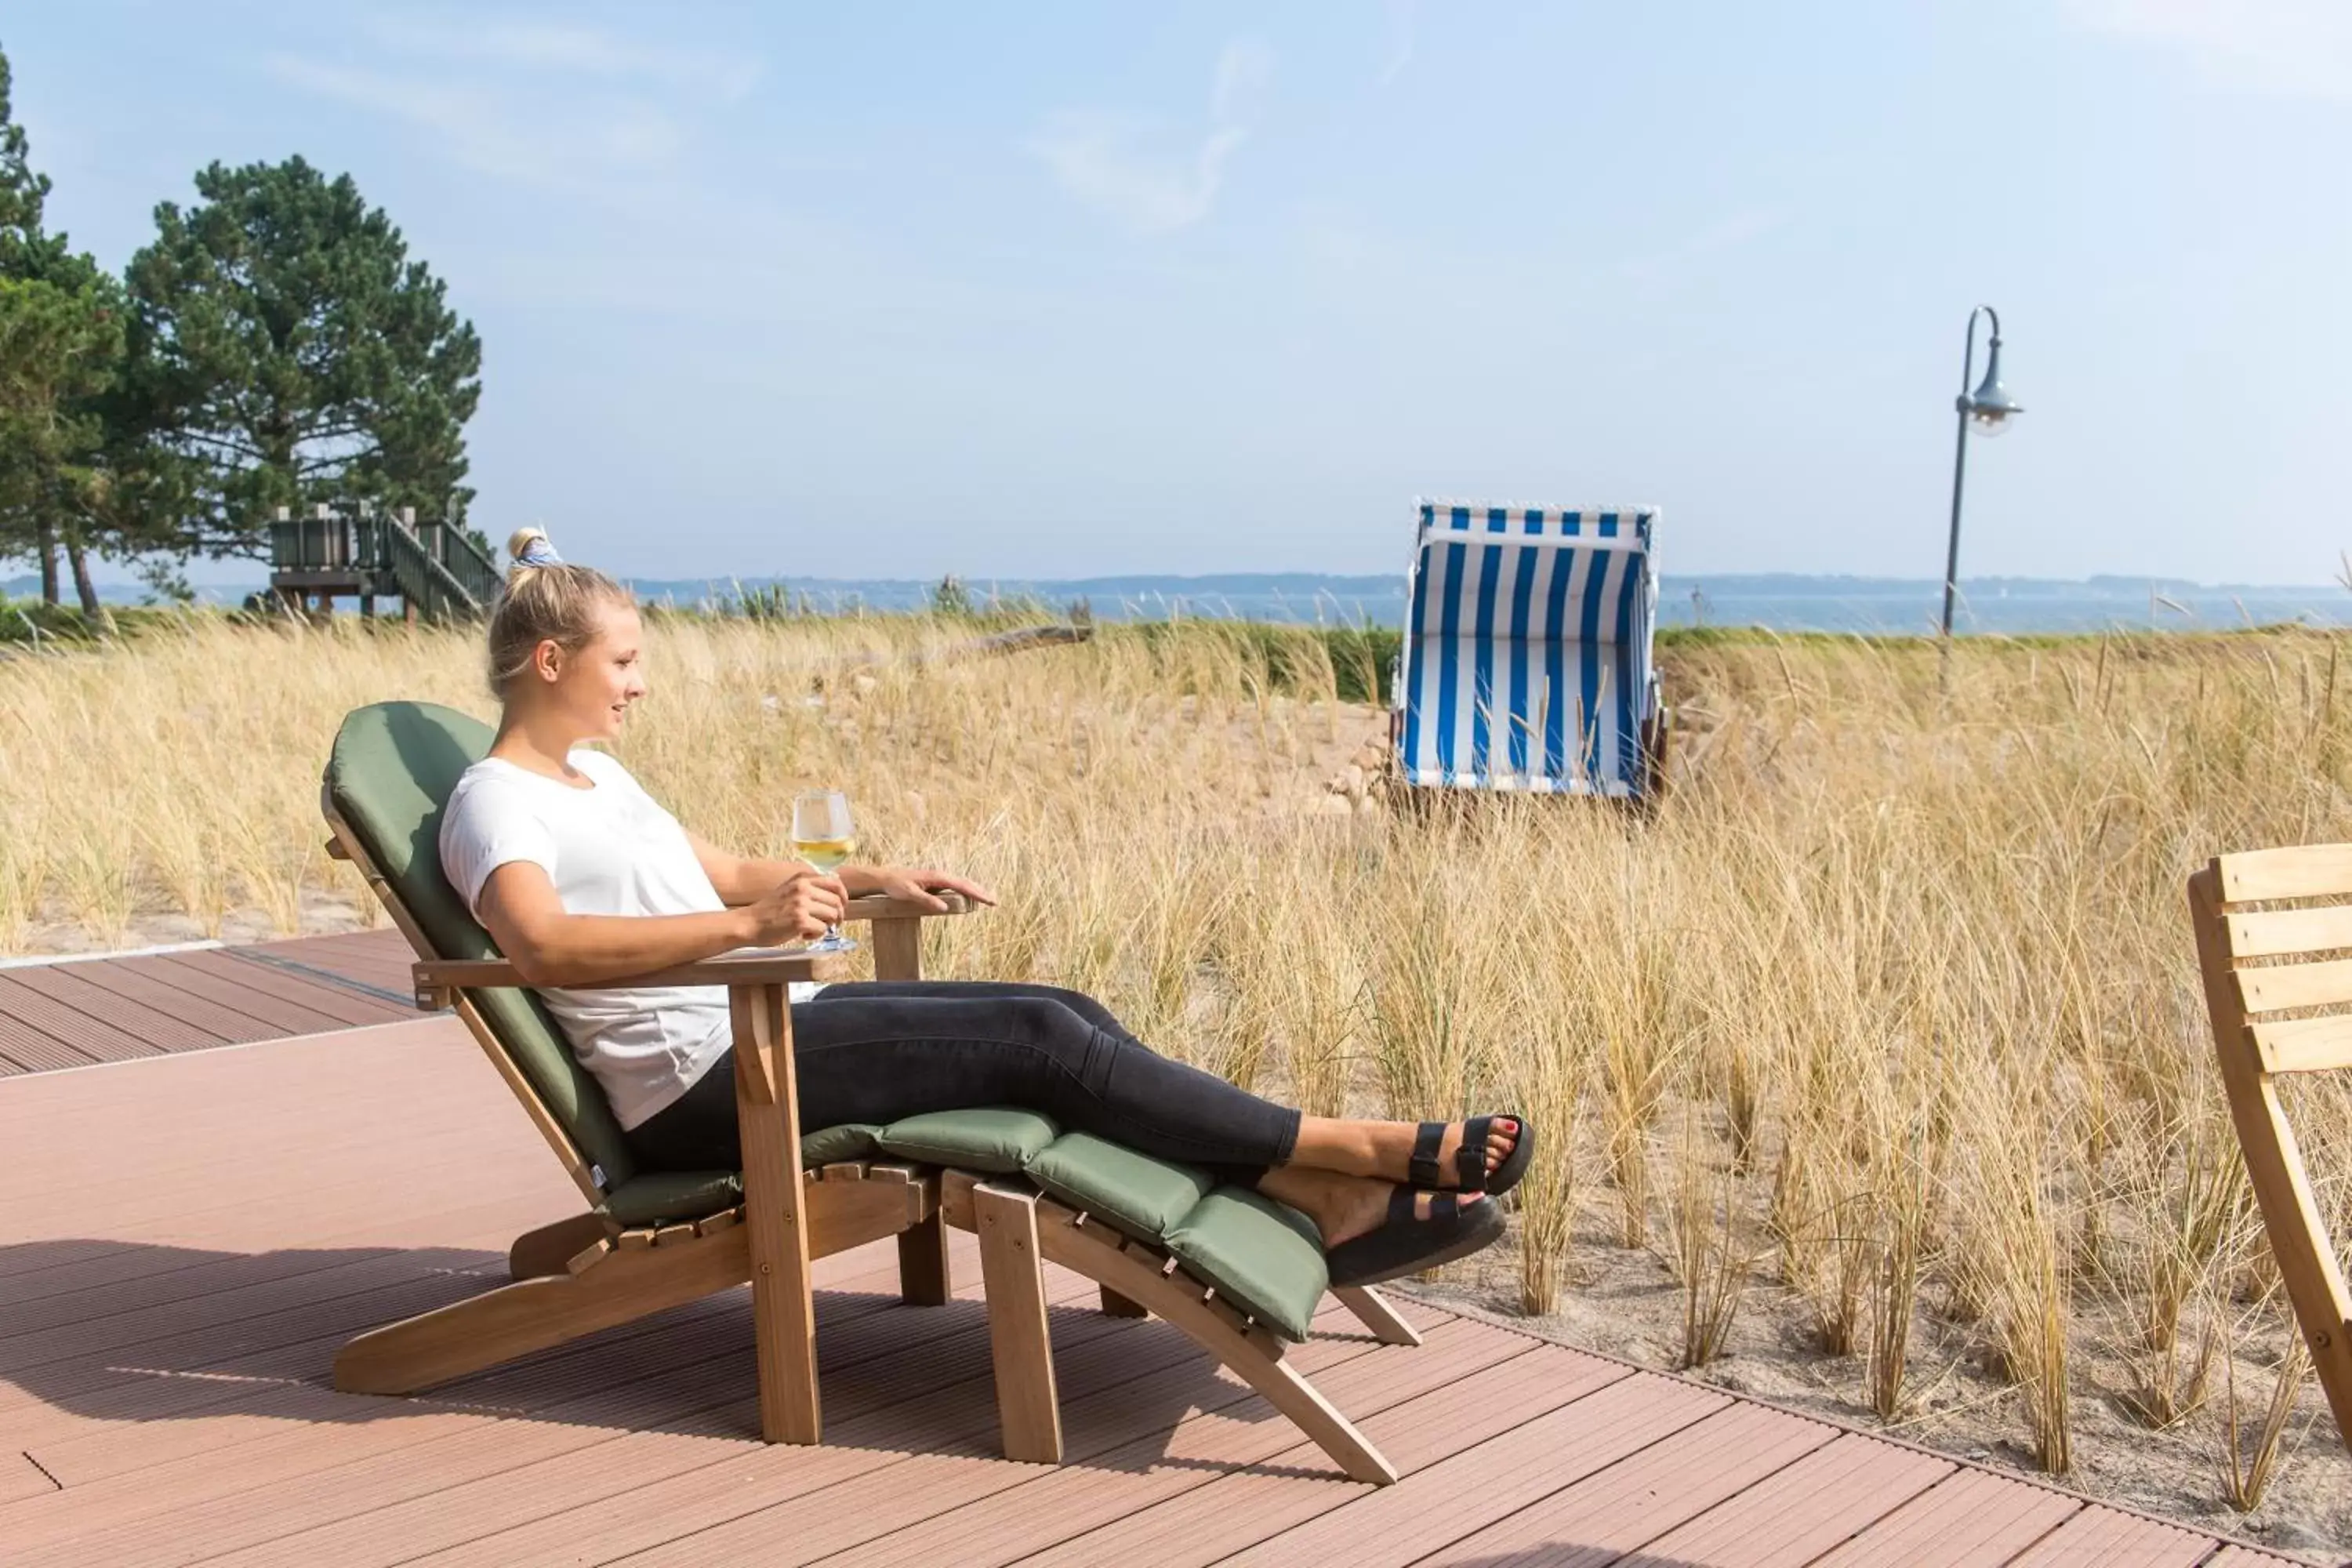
(1527, 660)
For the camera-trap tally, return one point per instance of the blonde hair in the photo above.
(545, 599)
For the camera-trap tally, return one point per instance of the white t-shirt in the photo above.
(609, 850)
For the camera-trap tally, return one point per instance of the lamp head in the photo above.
(1990, 408)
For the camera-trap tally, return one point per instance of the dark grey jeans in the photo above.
(876, 1051)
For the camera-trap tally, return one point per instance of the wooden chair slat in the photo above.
(2276, 932)
(2302, 871)
(2277, 986)
(2247, 1054)
(2304, 1045)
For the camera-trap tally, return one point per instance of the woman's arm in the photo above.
(741, 880)
(548, 945)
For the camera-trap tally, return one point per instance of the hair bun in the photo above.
(530, 547)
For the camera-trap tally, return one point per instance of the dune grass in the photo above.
(1892, 1011)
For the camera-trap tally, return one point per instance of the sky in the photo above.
(1067, 290)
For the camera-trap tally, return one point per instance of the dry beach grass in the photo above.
(1874, 1063)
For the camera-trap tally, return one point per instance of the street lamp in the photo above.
(1987, 411)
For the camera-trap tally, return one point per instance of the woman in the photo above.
(581, 878)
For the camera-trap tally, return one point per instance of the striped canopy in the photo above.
(1527, 650)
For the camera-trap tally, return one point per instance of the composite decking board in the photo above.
(98, 1448)
(228, 1026)
(947, 1382)
(54, 1106)
(313, 1009)
(2238, 1555)
(1258, 1490)
(224, 1345)
(1612, 1515)
(2108, 1538)
(1789, 1517)
(403, 998)
(309, 1164)
(67, 984)
(21, 1476)
(36, 1009)
(1214, 1418)
(1968, 1518)
(26, 1037)
(391, 1450)
(118, 1277)
(1489, 1481)
(381, 958)
(637, 1489)
(642, 1511)
(277, 1491)
(323, 996)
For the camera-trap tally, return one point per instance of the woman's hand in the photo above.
(797, 908)
(915, 887)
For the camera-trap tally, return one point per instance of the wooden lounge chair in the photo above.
(1240, 1275)
(2284, 1013)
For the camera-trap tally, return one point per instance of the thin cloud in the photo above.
(1103, 162)
(485, 131)
(566, 49)
(2292, 47)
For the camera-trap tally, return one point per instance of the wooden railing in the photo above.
(435, 566)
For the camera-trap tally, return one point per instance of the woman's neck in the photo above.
(537, 743)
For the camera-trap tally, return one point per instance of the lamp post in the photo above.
(1987, 410)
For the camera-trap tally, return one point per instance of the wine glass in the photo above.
(822, 836)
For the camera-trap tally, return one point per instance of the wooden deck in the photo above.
(81, 1011)
(188, 1239)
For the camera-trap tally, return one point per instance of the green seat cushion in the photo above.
(996, 1140)
(671, 1198)
(1135, 1193)
(1266, 1256)
(832, 1145)
(389, 776)
(668, 1197)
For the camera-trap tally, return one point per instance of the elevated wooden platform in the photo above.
(187, 1240)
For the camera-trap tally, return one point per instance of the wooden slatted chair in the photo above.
(2277, 965)
(1239, 1274)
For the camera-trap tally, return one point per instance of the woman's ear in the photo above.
(547, 659)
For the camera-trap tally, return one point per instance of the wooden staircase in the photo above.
(435, 569)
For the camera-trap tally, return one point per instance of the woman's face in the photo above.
(594, 687)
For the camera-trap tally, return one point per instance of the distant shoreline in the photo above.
(1774, 601)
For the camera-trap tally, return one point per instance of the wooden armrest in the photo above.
(874, 907)
(435, 978)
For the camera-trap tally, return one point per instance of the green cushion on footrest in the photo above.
(1267, 1255)
(1135, 1193)
(996, 1140)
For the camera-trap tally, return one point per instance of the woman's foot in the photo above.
(1384, 1149)
(1344, 1207)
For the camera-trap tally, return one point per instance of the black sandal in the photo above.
(1407, 1243)
(1470, 1171)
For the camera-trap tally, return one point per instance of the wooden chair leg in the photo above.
(551, 1249)
(1114, 1305)
(925, 1278)
(1013, 1273)
(498, 1325)
(1253, 1354)
(1373, 1310)
(783, 1310)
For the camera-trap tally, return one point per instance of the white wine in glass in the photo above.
(824, 836)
